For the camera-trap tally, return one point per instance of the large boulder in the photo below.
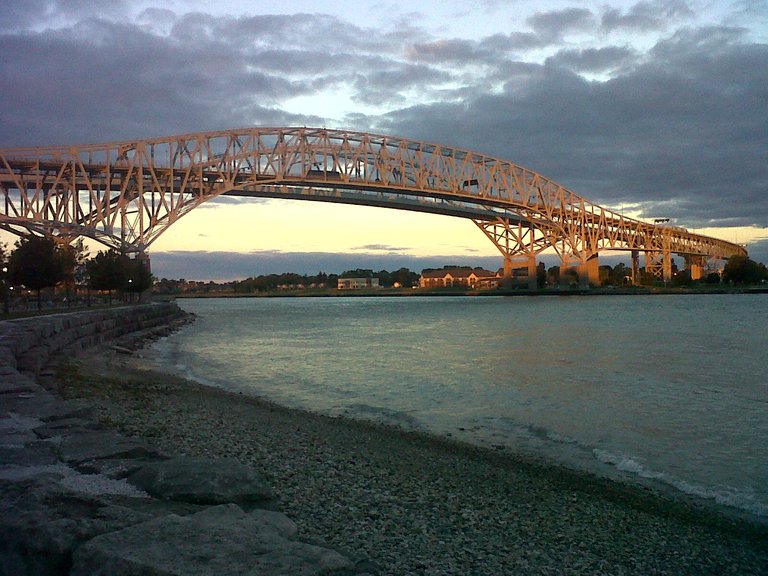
(203, 481)
(220, 540)
(43, 523)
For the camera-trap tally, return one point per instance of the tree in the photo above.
(106, 272)
(357, 273)
(553, 275)
(74, 257)
(619, 274)
(405, 277)
(137, 277)
(743, 270)
(36, 263)
(385, 278)
(541, 275)
(682, 278)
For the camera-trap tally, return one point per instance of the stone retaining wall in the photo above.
(28, 344)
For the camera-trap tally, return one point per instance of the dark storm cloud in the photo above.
(387, 84)
(103, 80)
(447, 51)
(100, 79)
(683, 132)
(35, 13)
(643, 16)
(547, 28)
(594, 59)
(553, 25)
(288, 32)
(25, 13)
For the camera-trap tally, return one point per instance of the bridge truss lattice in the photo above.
(126, 194)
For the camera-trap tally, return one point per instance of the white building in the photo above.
(357, 283)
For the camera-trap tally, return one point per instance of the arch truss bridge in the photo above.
(126, 194)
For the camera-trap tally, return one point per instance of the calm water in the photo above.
(669, 389)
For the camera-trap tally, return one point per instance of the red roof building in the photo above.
(464, 277)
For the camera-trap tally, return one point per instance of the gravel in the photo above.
(414, 504)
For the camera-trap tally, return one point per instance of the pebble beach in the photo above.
(406, 503)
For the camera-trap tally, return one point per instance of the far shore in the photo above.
(420, 292)
(418, 504)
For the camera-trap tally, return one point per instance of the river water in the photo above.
(662, 389)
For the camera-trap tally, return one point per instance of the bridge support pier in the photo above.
(518, 242)
(590, 271)
(143, 257)
(659, 264)
(587, 272)
(695, 264)
(513, 264)
(635, 267)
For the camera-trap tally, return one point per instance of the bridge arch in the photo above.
(126, 194)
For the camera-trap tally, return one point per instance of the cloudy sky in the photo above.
(657, 108)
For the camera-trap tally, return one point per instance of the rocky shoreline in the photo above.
(398, 502)
(79, 498)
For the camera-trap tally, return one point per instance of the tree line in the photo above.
(271, 282)
(36, 263)
(738, 271)
(288, 281)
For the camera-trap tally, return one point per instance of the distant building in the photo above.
(357, 283)
(459, 277)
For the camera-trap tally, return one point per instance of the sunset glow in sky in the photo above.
(657, 108)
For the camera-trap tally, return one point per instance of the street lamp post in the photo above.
(5, 289)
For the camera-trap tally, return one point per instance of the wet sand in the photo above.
(415, 504)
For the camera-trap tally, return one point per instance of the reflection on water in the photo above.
(670, 388)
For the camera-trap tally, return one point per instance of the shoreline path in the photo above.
(414, 504)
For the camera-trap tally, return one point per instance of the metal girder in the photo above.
(126, 194)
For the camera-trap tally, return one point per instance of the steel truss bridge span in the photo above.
(126, 194)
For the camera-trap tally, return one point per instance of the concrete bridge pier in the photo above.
(143, 257)
(518, 243)
(635, 267)
(514, 265)
(696, 265)
(587, 271)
